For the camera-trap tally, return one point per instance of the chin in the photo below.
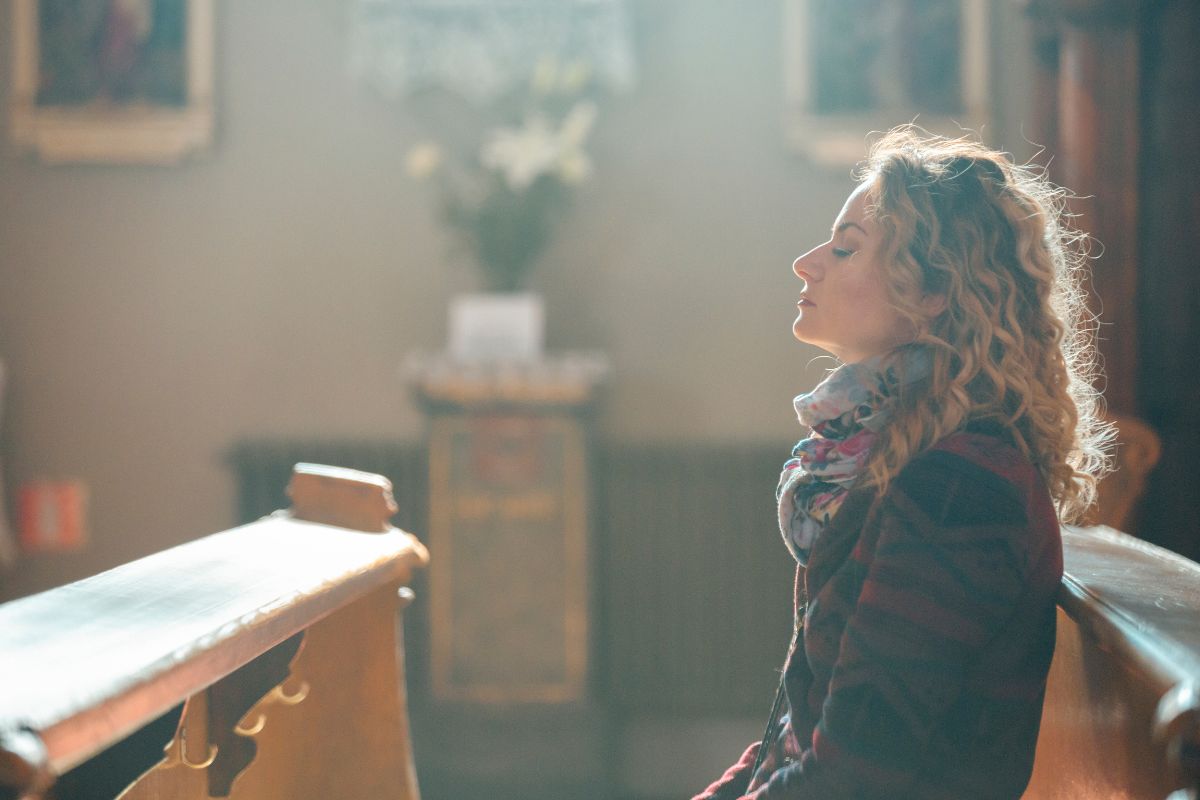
(798, 330)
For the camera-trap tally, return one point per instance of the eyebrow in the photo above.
(848, 224)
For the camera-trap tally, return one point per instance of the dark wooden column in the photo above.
(1096, 92)
(1169, 281)
(1098, 130)
(1043, 106)
(1118, 107)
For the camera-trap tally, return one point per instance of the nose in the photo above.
(807, 267)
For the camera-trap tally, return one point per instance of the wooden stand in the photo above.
(510, 610)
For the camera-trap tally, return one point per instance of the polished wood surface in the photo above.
(348, 498)
(1117, 106)
(1122, 717)
(351, 728)
(88, 664)
(1169, 285)
(1086, 112)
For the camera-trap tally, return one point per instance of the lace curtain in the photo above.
(483, 48)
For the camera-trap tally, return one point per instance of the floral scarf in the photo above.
(845, 413)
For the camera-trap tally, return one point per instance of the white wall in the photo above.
(151, 317)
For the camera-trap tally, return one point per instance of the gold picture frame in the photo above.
(72, 100)
(847, 73)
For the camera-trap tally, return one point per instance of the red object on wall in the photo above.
(51, 515)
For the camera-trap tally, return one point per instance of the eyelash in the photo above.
(840, 252)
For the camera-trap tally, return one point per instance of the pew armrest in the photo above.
(1121, 713)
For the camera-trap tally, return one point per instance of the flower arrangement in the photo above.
(503, 193)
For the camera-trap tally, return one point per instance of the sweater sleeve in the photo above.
(736, 779)
(939, 581)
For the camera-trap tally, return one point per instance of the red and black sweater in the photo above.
(927, 638)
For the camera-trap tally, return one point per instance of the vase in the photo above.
(497, 326)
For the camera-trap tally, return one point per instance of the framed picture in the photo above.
(112, 81)
(856, 66)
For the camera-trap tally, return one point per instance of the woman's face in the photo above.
(844, 306)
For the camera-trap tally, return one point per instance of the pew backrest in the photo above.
(1122, 711)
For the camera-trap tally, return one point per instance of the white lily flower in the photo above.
(422, 160)
(575, 76)
(578, 124)
(545, 75)
(574, 168)
(522, 154)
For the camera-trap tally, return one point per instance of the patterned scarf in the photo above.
(845, 412)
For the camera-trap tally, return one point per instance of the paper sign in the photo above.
(51, 515)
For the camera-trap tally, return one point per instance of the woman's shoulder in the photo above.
(972, 477)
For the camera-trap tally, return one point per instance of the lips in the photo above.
(804, 301)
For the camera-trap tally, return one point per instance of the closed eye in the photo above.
(841, 252)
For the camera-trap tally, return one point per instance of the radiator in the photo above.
(691, 584)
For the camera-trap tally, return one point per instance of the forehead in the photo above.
(857, 207)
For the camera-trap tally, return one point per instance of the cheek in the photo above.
(869, 297)
(868, 293)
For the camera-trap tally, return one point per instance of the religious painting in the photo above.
(855, 66)
(118, 81)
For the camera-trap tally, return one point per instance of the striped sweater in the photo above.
(927, 638)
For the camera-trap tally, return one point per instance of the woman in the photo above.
(923, 507)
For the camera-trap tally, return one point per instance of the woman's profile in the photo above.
(923, 505)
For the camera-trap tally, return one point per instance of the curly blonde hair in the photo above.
(1012, 344)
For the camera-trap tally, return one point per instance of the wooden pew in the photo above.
(265, 662)
(1122, 712)
(262, 662)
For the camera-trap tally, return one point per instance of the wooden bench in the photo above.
(1122, 713)
(261, 662)
(264, 662)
